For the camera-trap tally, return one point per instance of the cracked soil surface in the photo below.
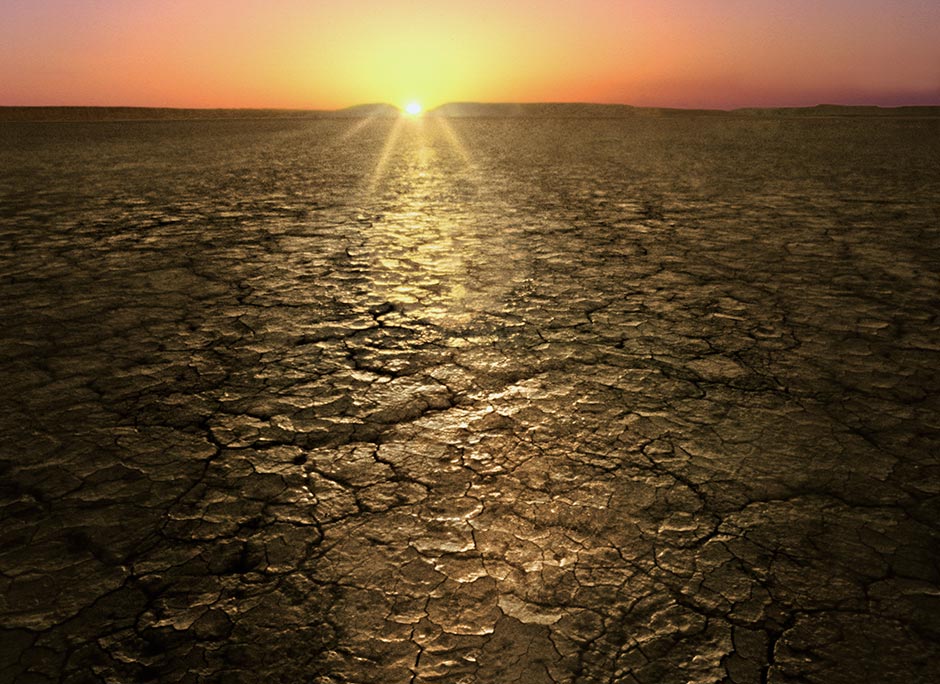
(641, 401)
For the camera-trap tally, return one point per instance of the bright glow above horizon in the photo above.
(413, 108)
(322, 55)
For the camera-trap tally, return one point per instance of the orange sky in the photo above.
(326, 54)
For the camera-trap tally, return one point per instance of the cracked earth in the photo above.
(636, 401)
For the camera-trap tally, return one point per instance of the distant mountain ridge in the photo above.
(841, 110)
(590, 110)
(548, 110)
(552, 110)
(174, 114)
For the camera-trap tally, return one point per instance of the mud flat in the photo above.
(621, 400)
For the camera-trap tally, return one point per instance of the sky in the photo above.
(325, 54)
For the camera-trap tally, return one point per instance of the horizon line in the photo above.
(365, 105)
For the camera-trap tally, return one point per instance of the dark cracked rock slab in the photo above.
(644, 401)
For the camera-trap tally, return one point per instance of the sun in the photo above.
(413, 108)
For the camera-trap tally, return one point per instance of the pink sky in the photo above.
(309, 54)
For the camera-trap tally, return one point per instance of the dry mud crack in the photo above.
(477, 401)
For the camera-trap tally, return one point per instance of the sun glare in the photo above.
(413, 109)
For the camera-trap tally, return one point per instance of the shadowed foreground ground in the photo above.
(478, 401)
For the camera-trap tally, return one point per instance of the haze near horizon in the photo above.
(325, 55)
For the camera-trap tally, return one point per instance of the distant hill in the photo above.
(172, 114)
(558, 110)
(840, 110)
(384, 111)
(149, 114)
(545, 110)
(586, 110)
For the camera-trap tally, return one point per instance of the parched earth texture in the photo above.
(640, 400)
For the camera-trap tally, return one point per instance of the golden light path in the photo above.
(412, 115)
(417, 249)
